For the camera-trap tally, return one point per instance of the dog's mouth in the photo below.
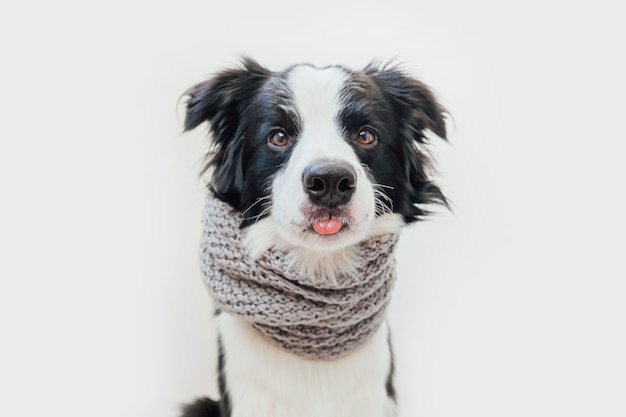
(327, 221)
(328, 226)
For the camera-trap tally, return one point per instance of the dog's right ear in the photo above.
(220, 102)
(219, 98)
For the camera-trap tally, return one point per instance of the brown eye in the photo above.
(366, 137)
(278, 138)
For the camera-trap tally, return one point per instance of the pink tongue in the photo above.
(327, 227)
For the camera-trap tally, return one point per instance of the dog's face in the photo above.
(319, 157)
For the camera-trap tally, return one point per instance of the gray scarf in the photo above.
(310, 317)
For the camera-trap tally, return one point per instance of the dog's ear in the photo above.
(413, 101)
(416, 110)
(220, 101)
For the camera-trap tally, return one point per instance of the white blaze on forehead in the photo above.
(316, 92)
(317, 98)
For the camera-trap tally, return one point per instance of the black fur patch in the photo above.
(400, 109)
(225, 405)
(202, 407)
(391, 391)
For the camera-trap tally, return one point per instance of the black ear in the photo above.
(413, 101)
(416, 110)
(220, 101)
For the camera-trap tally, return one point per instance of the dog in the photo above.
(288, 146)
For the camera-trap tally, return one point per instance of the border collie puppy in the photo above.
(287, 145)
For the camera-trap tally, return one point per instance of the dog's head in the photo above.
(319, 158)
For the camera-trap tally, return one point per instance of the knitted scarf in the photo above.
(305, 315)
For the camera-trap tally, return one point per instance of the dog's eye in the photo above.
(366, 137)
(278, 138)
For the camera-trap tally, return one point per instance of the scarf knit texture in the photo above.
(311, 317)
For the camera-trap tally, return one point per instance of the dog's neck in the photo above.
(327, 264)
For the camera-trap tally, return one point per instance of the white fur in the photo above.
(263, 235)
(266, 381)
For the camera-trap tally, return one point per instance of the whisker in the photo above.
(258, 200)
(380, 199)
(261, 214)
(385, 197)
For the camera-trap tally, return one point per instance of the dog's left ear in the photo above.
(416, 110)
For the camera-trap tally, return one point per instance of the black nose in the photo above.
(329, 183)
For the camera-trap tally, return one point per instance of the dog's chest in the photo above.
(263, 380)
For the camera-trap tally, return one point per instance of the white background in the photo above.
(513, 306)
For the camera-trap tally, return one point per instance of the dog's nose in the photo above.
(329, 183)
